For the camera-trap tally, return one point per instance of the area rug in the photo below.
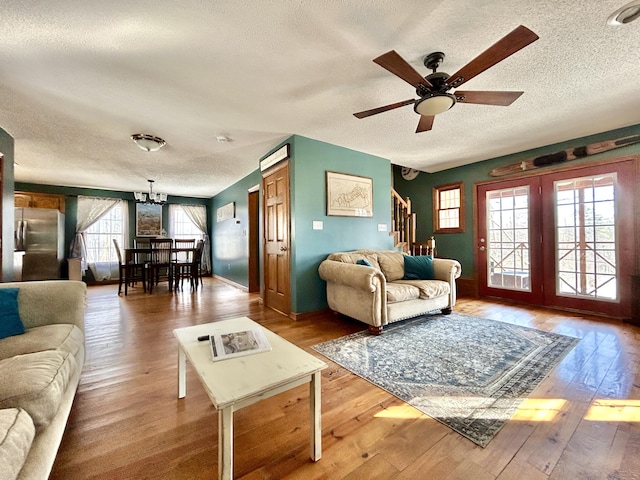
(468, 373)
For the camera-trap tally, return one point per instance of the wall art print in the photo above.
(148, 220)
(349, 195)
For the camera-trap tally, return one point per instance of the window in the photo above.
(448, 208)
(99, 236)
(181, 225)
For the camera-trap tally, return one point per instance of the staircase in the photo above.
(403, 222)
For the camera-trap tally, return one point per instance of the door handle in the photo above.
(283, 248)
(482, 248)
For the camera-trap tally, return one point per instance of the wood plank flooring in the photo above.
(582, 422)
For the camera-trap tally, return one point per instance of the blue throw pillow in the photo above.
(10, 323)
(418, 268)
(364, 262)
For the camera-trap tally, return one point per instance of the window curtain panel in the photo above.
(198, 215)
(90, 210)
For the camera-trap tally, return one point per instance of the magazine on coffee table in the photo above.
(237, 344)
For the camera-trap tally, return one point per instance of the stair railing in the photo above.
(403, 222)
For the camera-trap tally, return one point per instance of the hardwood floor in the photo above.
(583, 422)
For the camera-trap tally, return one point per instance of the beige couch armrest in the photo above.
(351, 275)
(50, 301)
(448, 270)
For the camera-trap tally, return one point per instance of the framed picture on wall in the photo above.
(349, 195)
(148, 220)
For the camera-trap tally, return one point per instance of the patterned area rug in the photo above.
(467, 372)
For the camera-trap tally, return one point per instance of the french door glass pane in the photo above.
(508, 233)
(586, 259)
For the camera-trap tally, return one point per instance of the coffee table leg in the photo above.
(316, 417)
(225, 443)
(182, 373)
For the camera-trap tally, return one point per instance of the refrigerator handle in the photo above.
(18, 237)
(23, 234)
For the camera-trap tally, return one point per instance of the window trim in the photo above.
(436, 208)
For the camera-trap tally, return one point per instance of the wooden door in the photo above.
(508, 243)
(275, 191)
(254, 240)
(589, 238)
(563, 239)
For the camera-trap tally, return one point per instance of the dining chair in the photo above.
(184, 263)
(130, 270)
(161, 265)
(199, 253)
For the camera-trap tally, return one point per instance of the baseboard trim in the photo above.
(230, 282)
(308, 315)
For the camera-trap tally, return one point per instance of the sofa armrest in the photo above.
(448, 270)
(50, 301)
(352, 275)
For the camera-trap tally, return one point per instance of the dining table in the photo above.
(143, 257)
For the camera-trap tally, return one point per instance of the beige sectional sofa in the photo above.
(39, 374)
(377, 295)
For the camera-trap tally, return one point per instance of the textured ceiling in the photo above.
(78, 78)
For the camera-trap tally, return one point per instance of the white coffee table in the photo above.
(238, 382)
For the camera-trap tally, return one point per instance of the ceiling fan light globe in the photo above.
(434, 103)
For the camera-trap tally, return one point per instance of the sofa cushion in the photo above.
(36, 383)
(10, 322)
(353, 257)
(419, 268)
(400, 292)
(428, 288)
(65, 337)
(16, 435)
(391, 264)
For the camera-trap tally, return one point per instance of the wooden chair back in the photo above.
(161, 250)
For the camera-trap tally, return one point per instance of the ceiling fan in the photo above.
(433, 89)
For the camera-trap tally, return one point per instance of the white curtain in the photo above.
(198, 215)
(90, 210)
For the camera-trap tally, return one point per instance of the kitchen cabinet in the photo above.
(39, 200)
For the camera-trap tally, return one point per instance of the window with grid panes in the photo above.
(99, 236)
(183, 227)
(448, 208)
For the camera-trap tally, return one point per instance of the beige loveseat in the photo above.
(39, 374)
(377, 295)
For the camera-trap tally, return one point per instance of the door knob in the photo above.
(482, 248)
(283, 248)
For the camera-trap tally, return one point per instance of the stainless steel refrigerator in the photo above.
(39, 241)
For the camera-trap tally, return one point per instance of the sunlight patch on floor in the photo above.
(614, 410)
(400, 411)
(539, 409)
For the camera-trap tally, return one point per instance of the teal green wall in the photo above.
(460, 245)
(308, 162)
(6, 157)
(229, 240)
(71, 205)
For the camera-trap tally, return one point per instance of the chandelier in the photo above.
(151, 197)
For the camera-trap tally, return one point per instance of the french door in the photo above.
(562, 239)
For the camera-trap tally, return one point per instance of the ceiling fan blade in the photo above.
(397, 65)
(425, 123)
(487, 98)
(368, 113)
(508, 45)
